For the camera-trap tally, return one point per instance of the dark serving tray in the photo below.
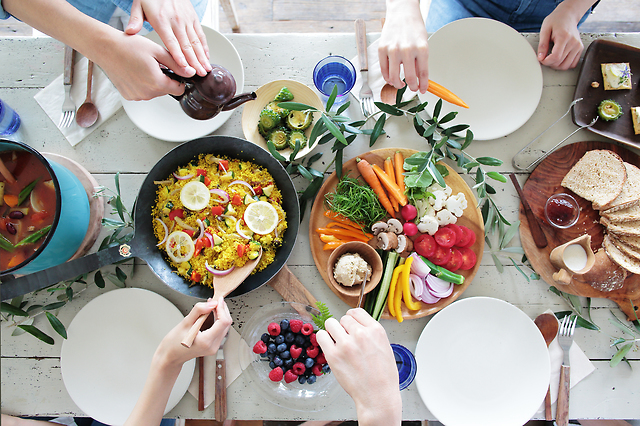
(599, 52)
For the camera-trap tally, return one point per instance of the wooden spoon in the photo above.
(87, 114)
(548, 326)
(222, 286)
(388, 94)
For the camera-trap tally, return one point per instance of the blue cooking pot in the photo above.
(71, 219)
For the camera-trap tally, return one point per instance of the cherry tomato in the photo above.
(189, 232)
(207, 181)
(445, 237)
(200, 245)
(176, 213)
(468, 237)
(242, 249)
(201, 172)
(257, 189)
(469, 258)
(457, 230)
(455, 262)
(223, 165)
(425, 245)
(236, 200)
(216, 210)
(195, 276)
(441, 256)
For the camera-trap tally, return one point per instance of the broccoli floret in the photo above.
(279, 137)
(297, 136)
(269, 119)
(273, 106)
(299, 120)
(284, 95)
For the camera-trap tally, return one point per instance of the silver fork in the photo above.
(565, 339)
(366, 94)
(68, 106)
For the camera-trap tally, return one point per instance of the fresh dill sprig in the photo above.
(323, 316)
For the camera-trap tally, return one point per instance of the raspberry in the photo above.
(260, 347)
(317, 370)
(313, 339)
(274, 329)
(313, 351)
(298, 368)
(276, 374)
(307, 329)
(290, 376)
(295, 326)
(321, 359)
(295, 351)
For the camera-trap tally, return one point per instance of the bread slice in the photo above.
(627, 214)
(635, 118)
(631, 228)
(616, 82)
(619, 257)
(625, 248)
(630, 241)
(630, 194)
(598, 177)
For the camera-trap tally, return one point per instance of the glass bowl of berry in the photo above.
(286, 365)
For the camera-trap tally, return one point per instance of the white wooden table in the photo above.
(31, 379)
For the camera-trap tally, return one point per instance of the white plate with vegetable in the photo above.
(482, 361)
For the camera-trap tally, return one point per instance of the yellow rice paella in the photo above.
(217, 213)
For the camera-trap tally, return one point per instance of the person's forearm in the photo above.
(387, 412)
(402, 6)
(575, 8)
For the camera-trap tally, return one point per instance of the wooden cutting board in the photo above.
(545, 181)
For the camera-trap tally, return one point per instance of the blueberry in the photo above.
(299, 339)
(264, 355)
(281, 347)
(302, 380)
(326, 369)
(311, 379)
(265, 337)
(272, 365)
(285, 355)
(271, 356)
(277, 361)
(309, 362)
(279, 339)
(288, 363)
(289, 337)
(271, 348)
(284, 324)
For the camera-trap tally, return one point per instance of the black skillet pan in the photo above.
(143, 244)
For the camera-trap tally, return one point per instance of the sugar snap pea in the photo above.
(34, 237)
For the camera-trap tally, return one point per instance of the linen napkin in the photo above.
(581, 367)
(233, 363)
(103, 94)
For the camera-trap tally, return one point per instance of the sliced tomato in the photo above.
(195, 276)
(200, 245)
(242, 249)
(223, 165)
(176, 213)
(425, 245)
(445, 237)
(40, 216)
(455, 262)
(201, 172)
(468, 237)
(189, 232)
(217, 210)
(258, 189)
(457, 230)
(236, 200)
(469, 258)
(441, 256)
(207, 181)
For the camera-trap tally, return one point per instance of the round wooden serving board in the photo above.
(472, 219)
(545, 181)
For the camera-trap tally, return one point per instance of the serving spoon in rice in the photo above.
(222, 286)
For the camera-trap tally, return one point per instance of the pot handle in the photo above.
(14, 287)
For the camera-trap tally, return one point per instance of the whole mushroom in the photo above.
(387, 241)
(379, 227)
(395, 226)
(405, 245)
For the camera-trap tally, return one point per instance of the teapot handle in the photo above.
(173, 76)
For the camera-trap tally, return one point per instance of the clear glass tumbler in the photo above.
(334, 71)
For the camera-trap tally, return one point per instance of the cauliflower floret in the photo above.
(445, 217)
(438, 202)
(456, 204)
(424, 208)
(436, 187)
(428, 224)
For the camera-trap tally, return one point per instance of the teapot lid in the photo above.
(218, 86)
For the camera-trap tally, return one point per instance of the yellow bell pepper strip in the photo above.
(397, 297)
(332, 245)
(406, 292)
(392, 290)
(329, 238)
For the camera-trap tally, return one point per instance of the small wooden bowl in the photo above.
(370, 256)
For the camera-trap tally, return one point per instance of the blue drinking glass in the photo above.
(334, 71)
(9, 122)
(406, 363)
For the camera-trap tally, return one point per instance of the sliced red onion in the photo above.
(416, 285)
(438, 287)
(241, 182)
(222, 194)
(277, 233)
(217, 271)
(201, 225)
(429, 298)
(418, 266)
(183, 224)
(209, 237)
(166, 232)
(177, 176)
(227, 216)
(220, 228)
(239, 231)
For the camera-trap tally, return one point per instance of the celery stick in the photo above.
(392, 258)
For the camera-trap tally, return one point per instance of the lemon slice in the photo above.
(195, 195)
(180, 247)
(261, 217)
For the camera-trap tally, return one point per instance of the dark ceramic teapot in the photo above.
(204, 97)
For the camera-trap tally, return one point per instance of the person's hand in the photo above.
(404, 41)
(560, 29)
(171, 352)
(360, 356)
(178, 25)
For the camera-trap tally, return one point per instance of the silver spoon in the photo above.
(87, 114)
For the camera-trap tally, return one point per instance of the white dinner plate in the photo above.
(106, 357)
(482, 362)
(492, 68)
(163, 118)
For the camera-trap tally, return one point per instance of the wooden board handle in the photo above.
(220, 403)
(290, 288)
(562, 409)
(361, 44)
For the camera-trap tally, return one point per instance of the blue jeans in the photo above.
(522, 15)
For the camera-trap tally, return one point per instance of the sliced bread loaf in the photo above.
(630, 194)
(627, 214)
(619, 257)
(598, 177)
(630, 241)
(625, 248)
(631, 228)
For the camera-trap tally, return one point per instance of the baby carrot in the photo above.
(390, 185)
(445, 94)
(349, 228)
(339, 218)
(343, 233)
(332, 245)
(11, 200)
(372, 180)
(388, 169)
(399, 166)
